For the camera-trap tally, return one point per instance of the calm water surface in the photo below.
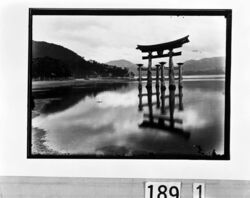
(105, 120)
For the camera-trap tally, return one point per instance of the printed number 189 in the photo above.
(162, 190)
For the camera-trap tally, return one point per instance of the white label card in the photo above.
(198, 190)
(162, 189)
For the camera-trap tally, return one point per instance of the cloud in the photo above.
(70, 23)
(105, 38)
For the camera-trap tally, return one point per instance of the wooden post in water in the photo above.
(149, 87)
(149, 74)
(163, 88)
(171, 71)
(171, 88)
(180, 74)
(139, 73)
(171, 106)
(157, 86)
(180, 86)
(140, 87)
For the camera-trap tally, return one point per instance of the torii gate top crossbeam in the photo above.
(164, 46)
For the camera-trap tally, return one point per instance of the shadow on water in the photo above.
(162, 117)
(61, 98)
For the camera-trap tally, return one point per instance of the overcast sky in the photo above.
(106, 38)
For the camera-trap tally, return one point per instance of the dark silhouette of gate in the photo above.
(162, 120)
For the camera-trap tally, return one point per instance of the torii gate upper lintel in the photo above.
(164, 46)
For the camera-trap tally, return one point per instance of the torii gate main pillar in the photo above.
(171, 75)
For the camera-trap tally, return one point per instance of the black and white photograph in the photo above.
(129, 84)
(119, 99)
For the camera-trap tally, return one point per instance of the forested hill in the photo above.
(55, 61)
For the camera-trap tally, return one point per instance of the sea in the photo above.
(106, 120)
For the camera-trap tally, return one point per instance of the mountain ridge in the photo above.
(208, 65)
(123, 63)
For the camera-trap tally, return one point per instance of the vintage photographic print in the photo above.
(129, 84)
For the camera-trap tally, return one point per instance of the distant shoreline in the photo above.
(77, 82)
(91, 81)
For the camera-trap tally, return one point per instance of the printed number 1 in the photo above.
(198, 190)
(151, 191)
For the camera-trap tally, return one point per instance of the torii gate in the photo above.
(159, 49)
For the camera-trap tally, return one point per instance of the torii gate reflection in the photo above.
(165, 122)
